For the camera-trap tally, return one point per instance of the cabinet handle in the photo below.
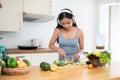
(0, 4)
(20, 56)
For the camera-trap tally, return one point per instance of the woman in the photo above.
(69, 37)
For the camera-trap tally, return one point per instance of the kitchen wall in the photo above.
(86, 14)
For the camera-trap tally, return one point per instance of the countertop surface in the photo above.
(39, 50)
(69, 73)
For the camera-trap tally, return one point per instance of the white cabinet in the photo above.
(37, 6)
(37, 11)
(21, 56)
(11, 15)
(37, 58)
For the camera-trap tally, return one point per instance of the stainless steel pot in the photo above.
(37, 42)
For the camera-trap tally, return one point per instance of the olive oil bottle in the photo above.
(100, 42)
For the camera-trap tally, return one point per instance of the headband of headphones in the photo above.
(67, 11)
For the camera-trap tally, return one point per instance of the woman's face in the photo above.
(66, 23)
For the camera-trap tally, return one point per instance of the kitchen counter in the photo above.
(39, 50)
(69, 73)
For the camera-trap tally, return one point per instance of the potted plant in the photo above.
(2, 63)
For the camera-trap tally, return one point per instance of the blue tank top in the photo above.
(70, 46)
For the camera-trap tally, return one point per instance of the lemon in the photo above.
(22, 64)
(97, 53)
(53, 67)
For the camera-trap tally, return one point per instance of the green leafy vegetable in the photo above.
(99, 58)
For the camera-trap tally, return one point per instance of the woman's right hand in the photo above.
(62, 53)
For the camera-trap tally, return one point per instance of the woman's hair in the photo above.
(65, 13)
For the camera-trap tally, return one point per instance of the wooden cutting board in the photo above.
(73, 66)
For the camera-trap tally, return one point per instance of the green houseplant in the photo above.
(2, 63)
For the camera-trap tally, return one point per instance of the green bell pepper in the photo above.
(11, 62)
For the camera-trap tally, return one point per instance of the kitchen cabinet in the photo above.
(11, 15)
(37, 6)
(37, 58)
(37, 11)
(21, 56)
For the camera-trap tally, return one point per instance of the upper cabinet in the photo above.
(11, 15)
(37, 6)
(38, 10)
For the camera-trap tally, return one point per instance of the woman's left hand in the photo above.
(75, 57)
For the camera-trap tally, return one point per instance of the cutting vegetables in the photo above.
(69, 37)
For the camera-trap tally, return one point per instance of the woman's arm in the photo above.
(54, 39)
(81, 45)
(52, 44)
(81, 42)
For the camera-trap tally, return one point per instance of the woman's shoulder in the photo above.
(80, 31)
(57, 30)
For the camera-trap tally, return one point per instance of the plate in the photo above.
(27, 47)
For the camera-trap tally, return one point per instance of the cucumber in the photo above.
(27, 62)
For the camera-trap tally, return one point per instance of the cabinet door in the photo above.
(38, 6)
(37, 58)
(11, 15)
(21, 56)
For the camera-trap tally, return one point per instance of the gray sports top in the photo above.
(70, 46)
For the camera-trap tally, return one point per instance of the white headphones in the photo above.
(67, 11)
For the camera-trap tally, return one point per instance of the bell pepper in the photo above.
(11, 62)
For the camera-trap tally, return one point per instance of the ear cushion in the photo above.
(58, 21)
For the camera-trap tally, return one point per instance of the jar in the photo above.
(100, 42)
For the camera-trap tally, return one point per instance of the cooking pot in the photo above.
(37, 42)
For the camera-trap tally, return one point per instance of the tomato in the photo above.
(17, 59)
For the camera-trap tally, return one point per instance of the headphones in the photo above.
(66, 11)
